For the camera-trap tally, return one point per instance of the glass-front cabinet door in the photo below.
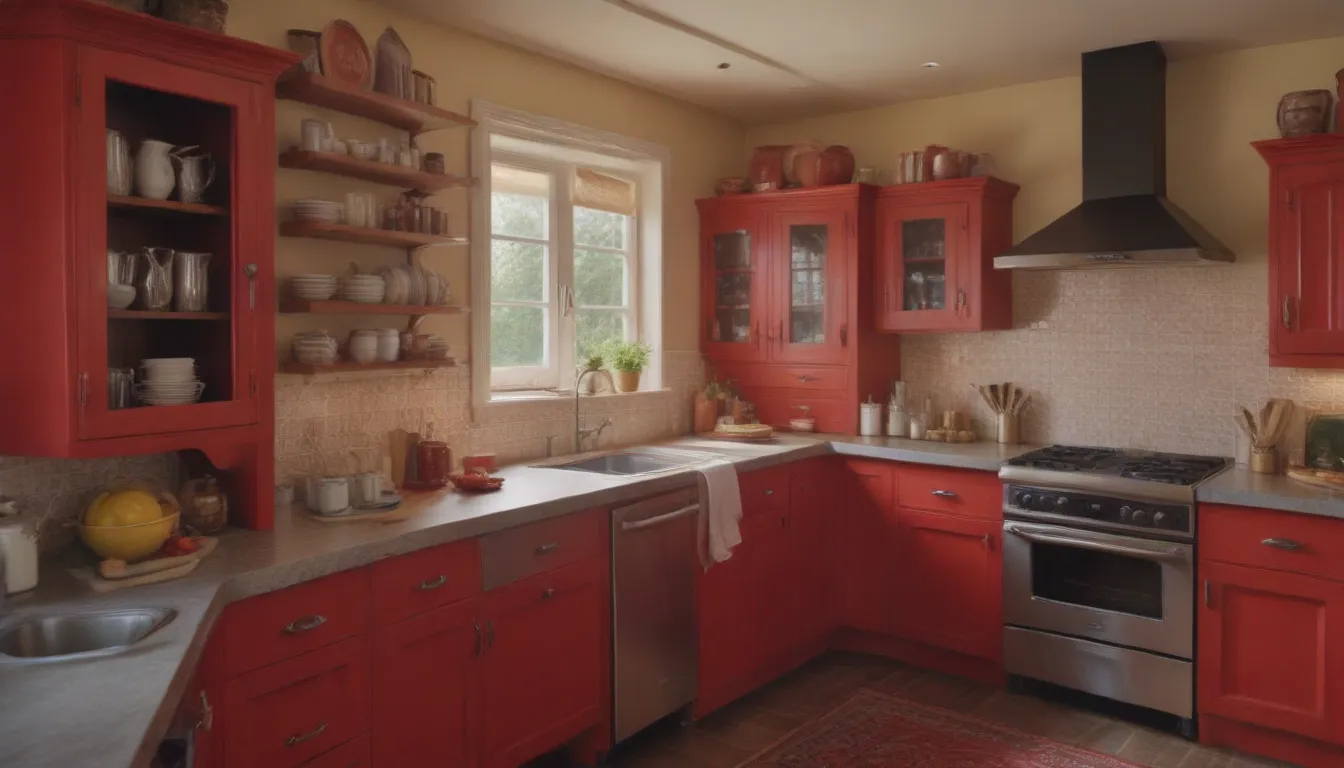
(734, 285)
(167, 293)
(809, 287)
(920, 249)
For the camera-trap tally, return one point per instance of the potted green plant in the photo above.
(628, 359)
(588, 385)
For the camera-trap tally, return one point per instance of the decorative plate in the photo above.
(345, 55)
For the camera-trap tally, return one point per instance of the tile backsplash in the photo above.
(1150, 358)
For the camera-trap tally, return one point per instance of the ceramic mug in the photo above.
(368, 488)
(328, 495)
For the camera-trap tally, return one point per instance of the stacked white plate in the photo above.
(365, 289)
(324, 211)
(169, 381)
(313, 287)
(314, 348)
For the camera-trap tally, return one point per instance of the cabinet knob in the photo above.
(547, 593)
(250, 270)
(547, 548)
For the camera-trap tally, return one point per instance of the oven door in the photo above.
(1100, 586)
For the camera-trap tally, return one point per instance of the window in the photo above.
(563, 264)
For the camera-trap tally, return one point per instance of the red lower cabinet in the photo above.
(1271, 650)
(950, 583)
(727, 635)
(424, 683)
(866, 558)
(541, 668)
(352, 754)
(284, 714)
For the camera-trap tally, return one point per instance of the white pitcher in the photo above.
(154, 177)
(197, 172)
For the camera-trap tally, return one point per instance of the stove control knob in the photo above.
(1159, 519)
(1140, 517)
(1024, 500)
(1124, 514)
(1061, 503)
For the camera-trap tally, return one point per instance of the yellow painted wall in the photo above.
(703, 145)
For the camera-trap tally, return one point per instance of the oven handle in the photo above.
(1099, 546)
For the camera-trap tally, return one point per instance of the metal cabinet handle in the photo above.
(299, 739)
(305, 624)
(1208, 596)
(961, 299)
(1287, 314)
(477, 648)
(781, 333)
(207, 715)
(547, 593)
(660, 519)
(807, 379)
(250, 270)
(433, 583)
(490, 634)
(1284, 544)
(945, 494)
(756, 332)
(769, 491)
(547, 548)
(844, 335)
(985, 541)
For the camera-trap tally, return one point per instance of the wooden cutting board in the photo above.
(151, 571)
(1320, 478)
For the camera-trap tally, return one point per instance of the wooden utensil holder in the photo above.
(1263, 462)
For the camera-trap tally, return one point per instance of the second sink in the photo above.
(79, 635)
(628, 463)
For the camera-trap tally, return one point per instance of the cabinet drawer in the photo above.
(811, 378)
(421, 581)
(515, 554)
(269, 628)
(955, 491)
(764, 489)
(776, 407)
(1270, 539)
(287, 713)
(352, 754)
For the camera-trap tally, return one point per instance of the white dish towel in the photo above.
(720, 511)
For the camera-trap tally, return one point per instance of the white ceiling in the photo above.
(795, 58)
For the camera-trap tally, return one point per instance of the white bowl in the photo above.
(120, 296)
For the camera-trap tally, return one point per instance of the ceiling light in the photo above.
(930, 65)
(724, 65)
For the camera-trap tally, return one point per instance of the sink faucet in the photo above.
(4, 581)
(580, 434)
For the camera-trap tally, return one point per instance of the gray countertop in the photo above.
(1242, 487)
(113, 711)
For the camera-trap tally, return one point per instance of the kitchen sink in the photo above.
(65, 637)
(629, 463)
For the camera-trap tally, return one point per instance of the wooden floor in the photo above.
(744, 728)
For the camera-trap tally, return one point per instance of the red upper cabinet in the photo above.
(734, 287)
(810, 321)
(936, 244)
(1306, 283)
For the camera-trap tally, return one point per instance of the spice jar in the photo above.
(204, 506)
(435, 163)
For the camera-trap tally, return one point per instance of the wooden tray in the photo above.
(1319, 478)
(737, 438)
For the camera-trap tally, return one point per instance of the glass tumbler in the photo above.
(120, 382)
(118, 164)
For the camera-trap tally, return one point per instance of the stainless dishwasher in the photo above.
(653, 563)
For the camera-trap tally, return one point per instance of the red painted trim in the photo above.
(1218, 732)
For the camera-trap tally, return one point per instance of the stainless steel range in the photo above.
(1099, 572)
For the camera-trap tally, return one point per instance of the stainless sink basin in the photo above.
(80, 635)
(628, 463)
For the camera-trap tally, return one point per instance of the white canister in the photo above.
(328, 495)
(20, 558)
(870, 419)
(898, 423)
(389, 345)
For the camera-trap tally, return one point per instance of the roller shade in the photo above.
(593, 189)
(516, 181)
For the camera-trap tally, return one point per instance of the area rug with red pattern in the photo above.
(875, 730)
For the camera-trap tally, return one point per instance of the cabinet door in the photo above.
(733, 285)
(213, 311)
(541, 674)
(1306, 283)
(727, 634)
(809, 255)
(774, 609)
(867, 552)
(424, 688)
(922, 250)
(810, 558)
(950, 583)
(1271, 646)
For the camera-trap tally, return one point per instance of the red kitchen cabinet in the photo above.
(1271, 650)
(774, 609)
(808, 573)
(949, 583)
(936, 244)
(541, 667)
(425, 687)
(786, 300)
(866, 555)
(1306, 245)
(92, 69)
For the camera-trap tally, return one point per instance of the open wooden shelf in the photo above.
(308, 306)
(166, 206)
(311, 88)
(309, 369)
(365, 235)
(369, 170)
(143, 314)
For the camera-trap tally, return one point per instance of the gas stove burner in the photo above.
(1166, 468)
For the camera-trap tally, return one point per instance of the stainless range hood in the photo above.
(1125, 218)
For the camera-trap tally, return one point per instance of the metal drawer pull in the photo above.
(769, 491)
(292, 740)
(207, 715)
(640, 525)
(806, 378)
(547, 593)
(433, 583)
(305, 624)
(548, 548)
(946, 494)
(1286, 544)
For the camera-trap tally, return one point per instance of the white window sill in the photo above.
(505, 399)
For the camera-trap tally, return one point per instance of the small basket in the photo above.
(209, 15)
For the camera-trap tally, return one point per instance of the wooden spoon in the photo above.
(984, 392)
(1279, 413)
(1009, 396)
(994, 395)
(1247, 422)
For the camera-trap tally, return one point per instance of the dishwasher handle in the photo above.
(640, 525)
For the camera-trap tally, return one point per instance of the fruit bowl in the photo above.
(476, 481)
(128, 542)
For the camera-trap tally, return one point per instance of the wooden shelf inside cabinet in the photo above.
(309, 369)
(144, 314)
(369, 170)
(165, 206)
(311, 88)
(393, 238)
(308, 306)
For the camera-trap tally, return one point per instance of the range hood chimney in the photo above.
(1125, 218)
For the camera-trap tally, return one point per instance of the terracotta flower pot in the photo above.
(627, 381)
